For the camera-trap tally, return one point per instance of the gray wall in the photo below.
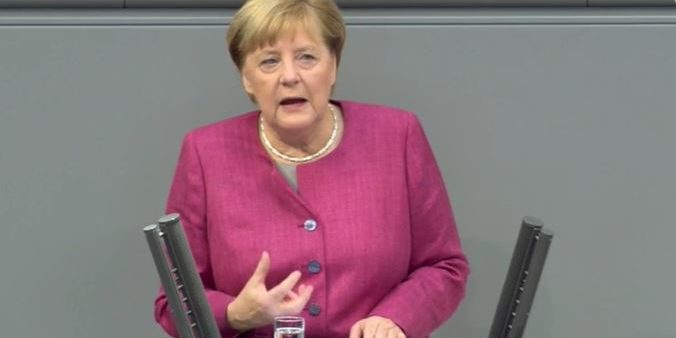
(565, 115)
(343, 3)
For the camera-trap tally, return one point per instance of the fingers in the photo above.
(255, 305)
(370, 328)
(293, 295)
(356, 330)
(261, 269)
(303, 297)
(305, 290)
(376, 327)
(290, 296)
(295, 305)
(283, 288)
(395, 334)
(381, 333)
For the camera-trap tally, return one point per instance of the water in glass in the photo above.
(289, 332)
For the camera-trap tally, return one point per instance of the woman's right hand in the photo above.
(257, 306)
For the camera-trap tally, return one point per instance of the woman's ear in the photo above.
(334, 71)
(247, 84)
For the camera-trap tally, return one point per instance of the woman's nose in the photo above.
(289, 75)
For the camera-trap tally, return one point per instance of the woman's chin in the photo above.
(295, 125)
(296, 119)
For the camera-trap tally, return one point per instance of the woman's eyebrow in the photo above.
(306, 49)
(266, 52)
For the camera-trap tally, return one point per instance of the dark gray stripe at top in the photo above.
(232, 4)
(353, 17)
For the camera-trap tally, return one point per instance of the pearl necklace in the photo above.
(320, 152)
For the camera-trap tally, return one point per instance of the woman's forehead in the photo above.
(299, 38)
(288, 27)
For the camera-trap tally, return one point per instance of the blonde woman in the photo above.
(332, 210)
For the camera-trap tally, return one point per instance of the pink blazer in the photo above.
(371, 226)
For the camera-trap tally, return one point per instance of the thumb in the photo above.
(261, 269)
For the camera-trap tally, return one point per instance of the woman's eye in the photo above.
(268, 62)
(307, 57)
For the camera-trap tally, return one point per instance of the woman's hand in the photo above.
(257, 306)
(376, 327)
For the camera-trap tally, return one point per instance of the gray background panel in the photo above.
(342, 3)
(62, 3)
(571, 122)
(182, 3)
(636, 3)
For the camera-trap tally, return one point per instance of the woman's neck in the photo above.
(298, 144)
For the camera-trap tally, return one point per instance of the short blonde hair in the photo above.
(260, 22)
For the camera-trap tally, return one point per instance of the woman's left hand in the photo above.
(376, 327)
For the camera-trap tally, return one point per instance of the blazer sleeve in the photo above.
(187, 197)
(438, 268)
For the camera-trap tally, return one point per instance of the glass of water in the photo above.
(289, 327)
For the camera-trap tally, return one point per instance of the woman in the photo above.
(332, 210)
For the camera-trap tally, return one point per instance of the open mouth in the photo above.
(293, 101)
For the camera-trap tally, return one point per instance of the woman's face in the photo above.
(291, 81)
